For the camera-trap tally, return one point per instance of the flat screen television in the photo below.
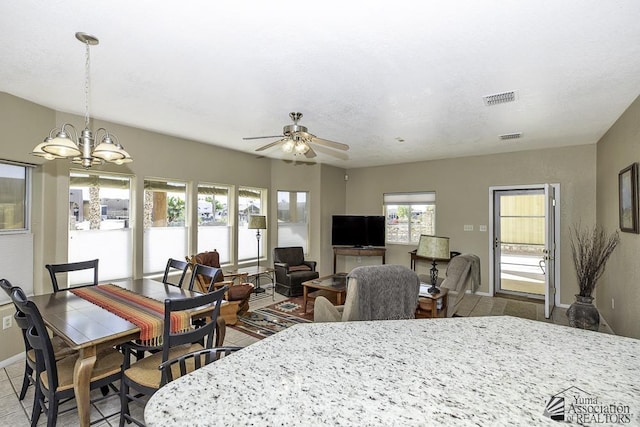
(357, 230)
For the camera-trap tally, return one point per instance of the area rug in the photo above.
(521, 309)
(264, 322)
(293, 307)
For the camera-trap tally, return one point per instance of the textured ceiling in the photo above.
(416, 70)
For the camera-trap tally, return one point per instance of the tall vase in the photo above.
(583, 314)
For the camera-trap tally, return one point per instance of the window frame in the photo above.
(409, 199)
(28, 171)
(306, 212)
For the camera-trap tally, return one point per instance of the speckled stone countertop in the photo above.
(457, 371)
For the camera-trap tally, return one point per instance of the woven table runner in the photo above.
(146, 313)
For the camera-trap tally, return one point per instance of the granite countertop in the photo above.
(454, 371)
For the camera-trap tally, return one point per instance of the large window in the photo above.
(16, 241)
(250, 202)
(99, 227)
(214, 225)
(408, 215)
(13, 197)
(293, 219)
(165, 228)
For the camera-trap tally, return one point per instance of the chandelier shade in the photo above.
(83, 149)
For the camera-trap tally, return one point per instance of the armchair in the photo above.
(237, 294)
(291, 270)
(375, 292)
(463, 271)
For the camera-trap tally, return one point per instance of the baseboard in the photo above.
(13, 359)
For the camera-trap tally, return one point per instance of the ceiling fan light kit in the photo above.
(296, 139)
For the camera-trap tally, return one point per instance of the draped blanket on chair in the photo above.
(142, 311)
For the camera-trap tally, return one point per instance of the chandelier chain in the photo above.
(87, 69)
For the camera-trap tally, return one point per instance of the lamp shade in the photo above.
(433, 247)
(257, 222)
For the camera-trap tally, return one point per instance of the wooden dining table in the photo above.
(88, 328)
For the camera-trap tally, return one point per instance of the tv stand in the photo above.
(355, 251)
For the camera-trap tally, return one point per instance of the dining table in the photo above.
(89, 328)
(472, 371)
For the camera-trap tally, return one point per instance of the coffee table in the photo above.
(336, 283)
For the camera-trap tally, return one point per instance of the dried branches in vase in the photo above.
(591, 248)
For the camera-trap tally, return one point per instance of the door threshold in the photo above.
(525, 298)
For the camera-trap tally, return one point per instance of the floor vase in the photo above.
(583, 314)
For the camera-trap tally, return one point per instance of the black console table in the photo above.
(351, 251)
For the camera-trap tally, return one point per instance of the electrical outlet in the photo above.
(468, 227)
(6, 322)
(613, 303)
(358, 260)
(482, 228)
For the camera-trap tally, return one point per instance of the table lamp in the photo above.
(437, 249)
(258, 222)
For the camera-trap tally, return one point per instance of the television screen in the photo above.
(357, 230)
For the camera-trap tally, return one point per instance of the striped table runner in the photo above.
(144, 312)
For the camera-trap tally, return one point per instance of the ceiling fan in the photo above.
(296, 139)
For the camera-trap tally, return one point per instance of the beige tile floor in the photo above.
(17, 414)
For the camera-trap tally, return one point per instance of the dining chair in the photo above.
(175, 264)
(54, 378)
(60, 348)
(179, 366)
(143, 376)
(204, 278)
(55, 269)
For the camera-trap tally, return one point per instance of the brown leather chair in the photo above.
(237, 292)
(291, 270)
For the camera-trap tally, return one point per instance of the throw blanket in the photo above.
(465, 269)
(385, 292)
(144, 312)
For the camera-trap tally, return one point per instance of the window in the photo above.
(250, 202)
(408, 215)
(13, 197)
(99, 206)
(165, 228)
(16, 241)
(293, 219)
(214, 225)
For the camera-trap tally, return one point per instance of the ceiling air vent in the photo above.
(514, 135)
(499, 98)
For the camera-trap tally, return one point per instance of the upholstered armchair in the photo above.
(291, 270)
(463, 272)
(374, 292)
(237, 294)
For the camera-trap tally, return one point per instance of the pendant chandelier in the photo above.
(83, 149)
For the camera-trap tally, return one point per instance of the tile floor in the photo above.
(17, 414)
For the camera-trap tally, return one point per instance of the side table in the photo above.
(432, 306)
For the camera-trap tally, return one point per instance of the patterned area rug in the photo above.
(293, 307)
(264, 322)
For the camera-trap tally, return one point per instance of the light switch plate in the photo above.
(468, 227)
(482, 228)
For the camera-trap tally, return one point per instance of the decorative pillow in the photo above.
(302, 267)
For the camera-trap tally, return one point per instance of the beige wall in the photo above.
(462, 197)
(617, 149)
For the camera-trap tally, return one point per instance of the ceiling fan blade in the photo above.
(342, 155)
(264, 147)
(330, 144)
(310, 154)
(261, 137)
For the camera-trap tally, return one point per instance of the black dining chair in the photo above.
(54, 378)
(55, 269)
(143, 376)
(60, 348)
(172, 265)
(204, 278)
(179, 366)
